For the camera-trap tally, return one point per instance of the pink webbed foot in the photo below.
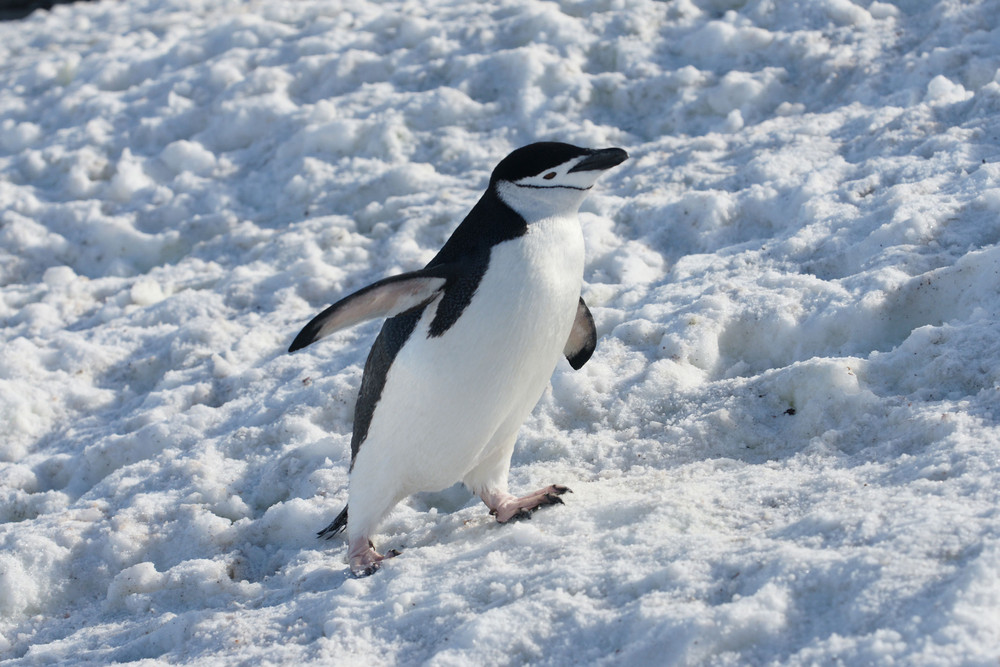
(506, 507)
(364, 560)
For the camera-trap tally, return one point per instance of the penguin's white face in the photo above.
(537, 197)
(561, 177)
(557, 189)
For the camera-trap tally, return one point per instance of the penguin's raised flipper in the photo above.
(582, 338)
(386, 298)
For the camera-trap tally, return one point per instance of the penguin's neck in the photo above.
(534, 204)
(491, 221)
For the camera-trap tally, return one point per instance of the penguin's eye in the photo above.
(549, 176)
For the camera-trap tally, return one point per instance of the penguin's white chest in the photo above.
(447, 396)
(523, 310)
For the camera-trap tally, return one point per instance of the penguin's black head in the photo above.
(550, 159)
(549, 178)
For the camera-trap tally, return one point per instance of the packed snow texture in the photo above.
(786, 449)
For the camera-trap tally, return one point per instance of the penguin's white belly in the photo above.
(445, 397)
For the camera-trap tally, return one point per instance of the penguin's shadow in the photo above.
(446, 501)
(324, 579)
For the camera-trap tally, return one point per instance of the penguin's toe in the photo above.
(365, 561)
(515, 509)
(366, 571)
(520, 515)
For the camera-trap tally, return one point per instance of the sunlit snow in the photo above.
(785, 450)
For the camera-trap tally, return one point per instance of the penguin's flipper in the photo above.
(386, 298)
(582, 338)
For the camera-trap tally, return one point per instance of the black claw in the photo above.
(521, 514)
(367, 572)
(554, 499)
(560, 489)
(392, 553)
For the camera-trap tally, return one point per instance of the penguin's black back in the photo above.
(394, 334)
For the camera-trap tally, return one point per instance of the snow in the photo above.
(786, 449)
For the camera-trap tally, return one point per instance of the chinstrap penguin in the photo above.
(469, 345)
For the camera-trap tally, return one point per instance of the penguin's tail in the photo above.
(336, 526)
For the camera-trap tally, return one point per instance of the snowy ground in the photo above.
(786, 449)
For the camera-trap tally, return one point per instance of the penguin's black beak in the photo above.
(604, 158)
